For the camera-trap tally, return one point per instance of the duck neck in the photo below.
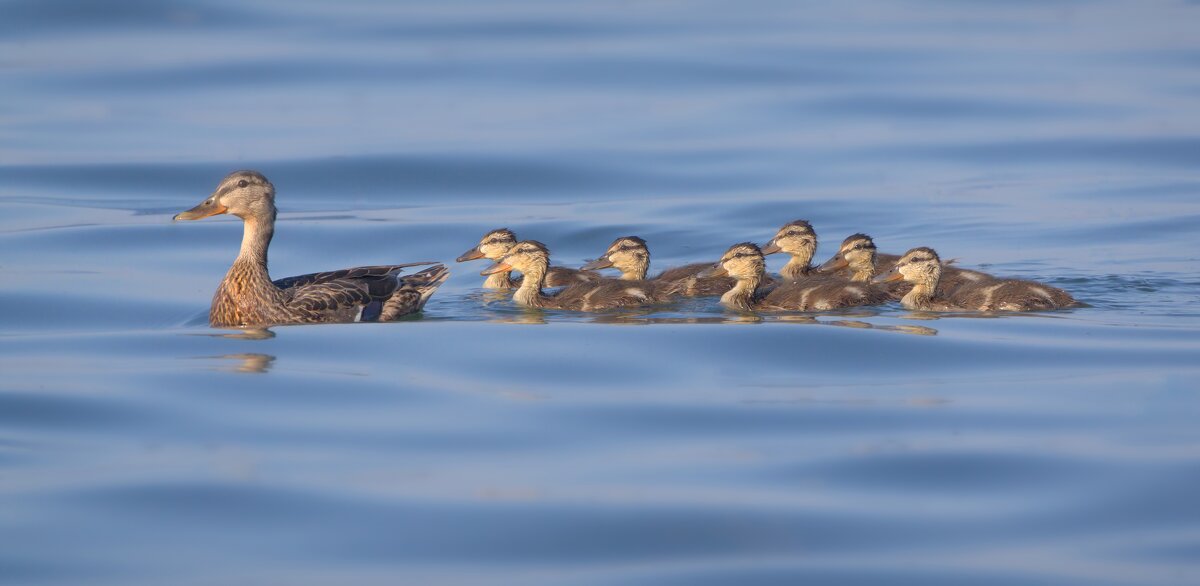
(741, 296)
(864, 271)
(256, 239)
(797, 267)
(499, 281)
(923, 291)
(635, 272)
(530, 291)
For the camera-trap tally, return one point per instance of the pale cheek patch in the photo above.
(634, 291)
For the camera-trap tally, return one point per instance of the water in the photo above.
(1057, 141)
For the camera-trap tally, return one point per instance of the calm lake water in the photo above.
(483, 444)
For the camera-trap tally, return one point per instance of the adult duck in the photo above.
(248, 297)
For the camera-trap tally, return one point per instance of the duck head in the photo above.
(920, 266)
(628, 254)
(857, 252)
(493, 246)
(796, 238)
(742, 261)
(528, 257)
(245, 194)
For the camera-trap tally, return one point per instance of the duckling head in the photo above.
(245, 194)
(920, 266)
(742, 261)
(628, 254)
(857, 252)
(529, 257)
(796, 238)
(493, 246)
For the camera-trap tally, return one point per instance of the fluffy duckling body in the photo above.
(495, 245)
(923, 269)
(248, 297)
(631, 256)
(745, 263)
(858, 261)
(532, 259)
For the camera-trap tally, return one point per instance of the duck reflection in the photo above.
(249, 363)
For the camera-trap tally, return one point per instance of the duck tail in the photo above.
(415, 290)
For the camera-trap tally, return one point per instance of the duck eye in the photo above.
(243, 183)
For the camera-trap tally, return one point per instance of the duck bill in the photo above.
(207, 208)
(497, 268)
(472, 254)
(771, 248)
(716, 270)
(892, 275)
(600, 263)
(837, 263)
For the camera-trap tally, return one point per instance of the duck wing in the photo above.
(374, 293)
(818, 294)
(563, 276)
(608, 294)
(354, 273)
(685, 281)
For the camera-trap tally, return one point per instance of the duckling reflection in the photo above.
(532, 259)
(631, 256)
(745, 263)
(923, 268)
(249, 363)
(496, 244)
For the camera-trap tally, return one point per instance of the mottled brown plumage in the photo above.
(532, 259)
(923, 268)
(248, 297)
(631, 256)
(746, 264)
(495, 245)
(858, 261)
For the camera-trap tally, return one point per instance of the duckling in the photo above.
(798, 239)
(495, 244)
(248, 297)
(922, 267)
(857, 259)
(745, 263)
(532, 259)
(631, 256)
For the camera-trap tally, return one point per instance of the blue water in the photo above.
(1057, 141)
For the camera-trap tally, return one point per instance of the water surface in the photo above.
(482, 443)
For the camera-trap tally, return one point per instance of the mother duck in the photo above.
(248, 297)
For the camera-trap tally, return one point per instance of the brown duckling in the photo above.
(248, 297)
(858, 260)
(532, 259)
(922, 267)
(631, 256)
(745, 263)
(495, 244)
(798, 239)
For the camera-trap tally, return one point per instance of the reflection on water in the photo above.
(250, 363)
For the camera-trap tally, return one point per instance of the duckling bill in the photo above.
(248, 297)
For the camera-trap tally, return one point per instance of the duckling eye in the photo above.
(243, 183)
